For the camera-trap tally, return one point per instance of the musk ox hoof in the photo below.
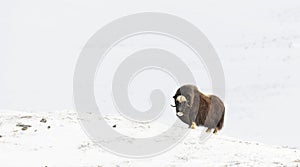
(193, 126)
(208, 130)
(215, 131)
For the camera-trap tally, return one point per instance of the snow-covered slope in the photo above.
(58, 140)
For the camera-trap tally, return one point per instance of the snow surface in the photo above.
(60, 141)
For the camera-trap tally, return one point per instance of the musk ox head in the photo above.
(186, 99)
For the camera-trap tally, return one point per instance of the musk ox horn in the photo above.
(181, 99)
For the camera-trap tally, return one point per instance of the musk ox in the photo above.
(195, 109)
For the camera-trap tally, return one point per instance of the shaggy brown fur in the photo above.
(199, 109)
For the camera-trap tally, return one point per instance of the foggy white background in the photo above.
(258, 43)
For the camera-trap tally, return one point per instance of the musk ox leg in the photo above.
(216, 130)
(221, 122)
(208, 130)
(193, 125)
